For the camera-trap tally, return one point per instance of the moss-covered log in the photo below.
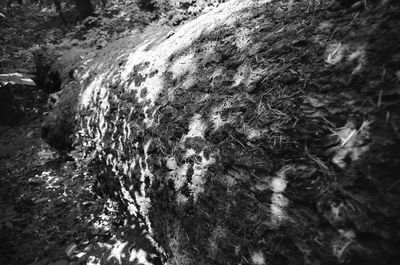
(225, 138)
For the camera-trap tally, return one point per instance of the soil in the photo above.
(52, 211)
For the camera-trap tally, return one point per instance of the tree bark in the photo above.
(57, 3)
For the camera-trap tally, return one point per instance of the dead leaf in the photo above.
(44, 199)
(315, 102)
(17, 78)
(262, 186)
(70, 250)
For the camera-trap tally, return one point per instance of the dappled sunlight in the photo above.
(335, 53)
(117, 251)
(147, 64)
(258, 258)
(150, 58)
(359, 57)
(44, 156)
(348, 53)
(51, 179)
(142, 78)
(177, 174)
(352, 143)
(243, 38)
(139, 256)
(183, 65)
(89, 94)
(196, 128)
(242, 74)
(93, 260)
(278, 205)
(279, 202)
(216, 114)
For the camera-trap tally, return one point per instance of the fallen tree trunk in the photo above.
(217, 139)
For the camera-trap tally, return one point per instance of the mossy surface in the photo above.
(244, 136)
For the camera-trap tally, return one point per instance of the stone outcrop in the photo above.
(57, 75)
(224, 138)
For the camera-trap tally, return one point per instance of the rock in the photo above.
(58, 126)
(46, 78)
(199, 150)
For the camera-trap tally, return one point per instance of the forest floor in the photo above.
(52, 211)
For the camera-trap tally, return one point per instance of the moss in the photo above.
(258, 122)
(59, 125)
